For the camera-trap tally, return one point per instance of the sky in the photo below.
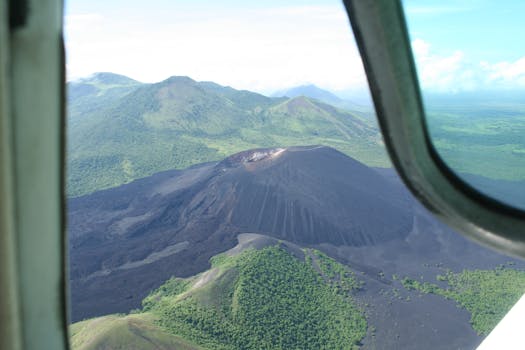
(271, 45)
(468, 45)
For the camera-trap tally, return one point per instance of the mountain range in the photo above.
(361, 103)
(120, 130)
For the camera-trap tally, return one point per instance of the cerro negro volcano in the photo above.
(127, 240)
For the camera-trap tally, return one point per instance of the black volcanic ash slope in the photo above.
(127, 240)
(306, 195)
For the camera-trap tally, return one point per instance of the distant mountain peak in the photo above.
(179, 79)
(108, 78)
(311, 91)
(310, 87)
(300, 104)
(300, 100)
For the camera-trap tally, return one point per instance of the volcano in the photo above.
(125, 241)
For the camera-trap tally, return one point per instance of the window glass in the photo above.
(471, 68)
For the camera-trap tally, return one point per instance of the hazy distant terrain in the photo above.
(360, 104)
(481, 138)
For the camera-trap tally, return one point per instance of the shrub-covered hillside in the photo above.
(259, 299)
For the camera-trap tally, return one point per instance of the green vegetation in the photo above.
(481, 139)
(424, 287)
(340, 276)
(264, 299)
(137, 332)
(121, 130)
(257, 299)
(487, 294)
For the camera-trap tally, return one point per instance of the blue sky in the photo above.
(469, 44)
(270, 45)
(485, 29)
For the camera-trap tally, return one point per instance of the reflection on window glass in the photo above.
(229, 189)
(471, 67)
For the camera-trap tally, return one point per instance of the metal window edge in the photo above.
(381, 35)
(34, 75)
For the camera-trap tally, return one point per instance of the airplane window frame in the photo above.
(33, 276)
(382, 37)
(41, 308)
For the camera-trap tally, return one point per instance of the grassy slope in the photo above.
(258, 299)
(132, 332)
(114, 139)
(487, 294)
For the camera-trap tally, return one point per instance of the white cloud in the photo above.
(506, 72)
(455, 72)
(263, 50)
(437, 72)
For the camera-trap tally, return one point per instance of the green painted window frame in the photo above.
(382, 38)
(33, 276)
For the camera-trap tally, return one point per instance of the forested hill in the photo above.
(263, 294)
(120, 129)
